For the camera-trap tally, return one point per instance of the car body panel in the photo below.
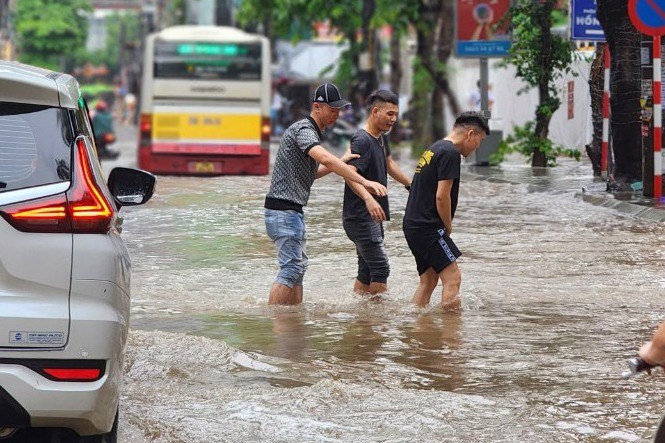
(64, 295)
(35, 279)
(21, 83)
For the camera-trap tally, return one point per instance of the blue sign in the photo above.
(496, 48)
(584, 24)
(648, 16)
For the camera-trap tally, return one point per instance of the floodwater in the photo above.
(557, 294)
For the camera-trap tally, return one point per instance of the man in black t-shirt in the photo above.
(364, 213)
(428, 218)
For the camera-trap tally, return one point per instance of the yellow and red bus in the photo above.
(205, 102)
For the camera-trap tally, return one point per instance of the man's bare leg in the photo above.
(428, 281)
(282, 295)
(377, 288)
(297, 294)
(360, 287)
(451, 277)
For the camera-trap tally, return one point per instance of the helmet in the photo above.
(101, 106)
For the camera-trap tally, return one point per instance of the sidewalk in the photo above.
(569, 176)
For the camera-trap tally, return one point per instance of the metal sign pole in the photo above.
(484, 88)
(604, 153)
(657, 120)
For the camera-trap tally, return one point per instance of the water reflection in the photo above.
(291, 339)
(433, 344)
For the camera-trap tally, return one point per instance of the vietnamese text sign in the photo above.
(584, 24)
(479, 32)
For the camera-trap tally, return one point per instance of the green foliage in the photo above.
(532, 56)
(540, 59)
(525, 141)
(293, 20)
(49, 32)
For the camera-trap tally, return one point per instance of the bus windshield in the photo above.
(207, 60)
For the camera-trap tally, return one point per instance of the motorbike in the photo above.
(103, 142)
(339, 135)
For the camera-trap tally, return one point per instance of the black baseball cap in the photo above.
(329, 94)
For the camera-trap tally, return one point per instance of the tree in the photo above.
(596, 87)
(49, 32)
(625, 90)
(540, 58)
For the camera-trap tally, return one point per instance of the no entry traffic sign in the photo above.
(648, 16)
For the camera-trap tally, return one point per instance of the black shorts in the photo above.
(432, 249)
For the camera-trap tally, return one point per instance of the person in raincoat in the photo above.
(102, 124)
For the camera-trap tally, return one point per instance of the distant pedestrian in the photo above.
(474, 101)
(300, 160)
(129, 117)
(363, 213)
(428, 218)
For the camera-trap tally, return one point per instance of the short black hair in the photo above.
(382, 96)
(473, 118)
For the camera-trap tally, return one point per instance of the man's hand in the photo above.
(375, 210)
(348, 156)
(375, 188)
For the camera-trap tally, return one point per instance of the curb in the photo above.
(607, 201)
(630, 209)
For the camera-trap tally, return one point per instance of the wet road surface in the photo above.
(557, 294)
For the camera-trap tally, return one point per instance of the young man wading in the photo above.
(428, 218)
(364, 213)
(300, 160)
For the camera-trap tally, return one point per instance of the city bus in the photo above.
(205, 102)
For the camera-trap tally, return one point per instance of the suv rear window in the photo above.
(35, 145)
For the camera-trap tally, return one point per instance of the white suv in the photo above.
(64, 270)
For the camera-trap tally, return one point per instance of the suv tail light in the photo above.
(83, 209)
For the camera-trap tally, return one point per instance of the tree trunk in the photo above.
(543, 113)
(436, 34)
(625, 89)
(420, 109)
(438, 121)
(596, 86)
(395, 75)
(368, 74)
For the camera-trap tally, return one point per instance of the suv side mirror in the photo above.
(131, 187)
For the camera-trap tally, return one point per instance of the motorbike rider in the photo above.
(102, 124)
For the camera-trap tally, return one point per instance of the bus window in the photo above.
(207, 61)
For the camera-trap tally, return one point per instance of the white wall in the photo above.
(511, 109)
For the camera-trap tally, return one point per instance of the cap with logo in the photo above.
(329, 94)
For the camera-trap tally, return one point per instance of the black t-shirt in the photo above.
(441, 161)
(372, 166)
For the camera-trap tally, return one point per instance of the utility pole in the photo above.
(7, 50)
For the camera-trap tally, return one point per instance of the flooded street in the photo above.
(557, 294)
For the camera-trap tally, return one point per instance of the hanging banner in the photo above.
(480, 32)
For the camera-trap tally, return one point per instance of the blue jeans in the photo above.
(373, 264)
(287, 230)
